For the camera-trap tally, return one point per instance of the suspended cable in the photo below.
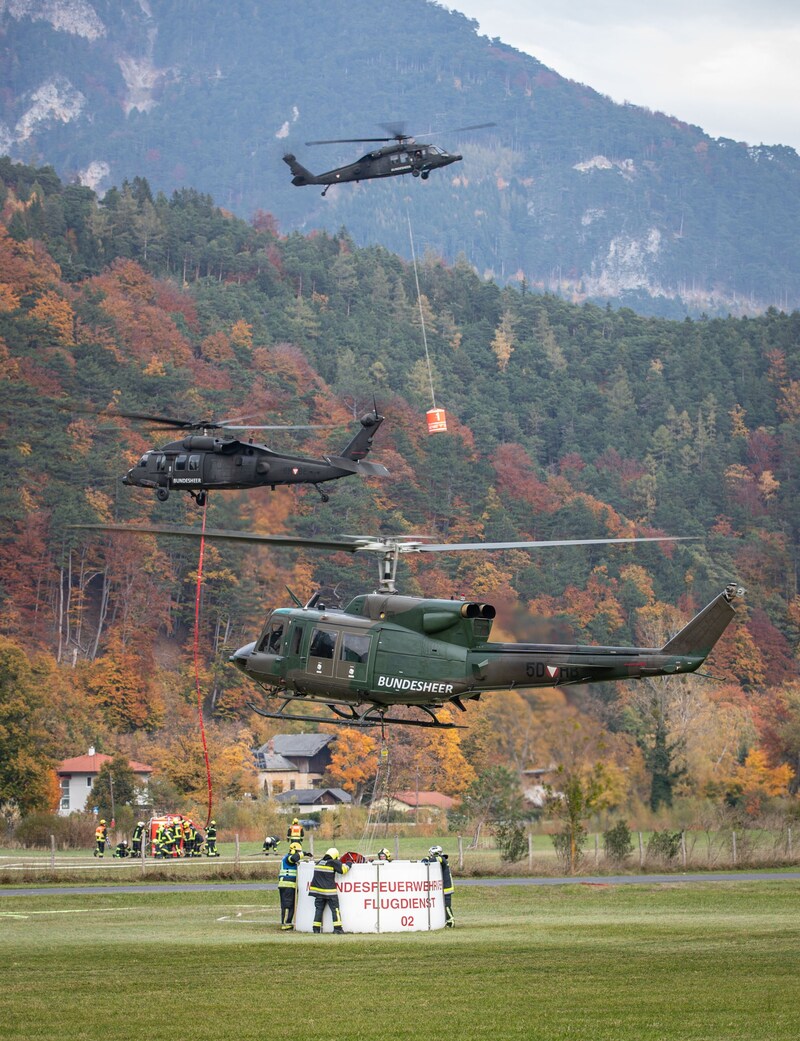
(421, 313)
(380, 792)
(197, 598)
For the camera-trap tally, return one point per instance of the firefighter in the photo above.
(100, 836)
(436, 855)
(189, 837)
(197, 846)
(136, 839)
(323, 886)
(162, 846)
(211, 839)
(171, 837)
(295, 832)
(271, 844)
(384, 854)
(121, 850)
(287, 884)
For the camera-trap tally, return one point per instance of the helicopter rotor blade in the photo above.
(366, 543)
(350, 140)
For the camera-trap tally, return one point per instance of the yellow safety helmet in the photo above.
(295, 848)
(333, 853)
(295, 821)
(384, 854)
(102, 821)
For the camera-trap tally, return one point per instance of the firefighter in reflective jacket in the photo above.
(436, 855)
(211, 839)
(323, 886)
(295, 832)
(100, 834)
(136, 840)
(287, 884)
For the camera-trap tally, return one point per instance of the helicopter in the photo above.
(386, 649)
(202, 460)
(404, 156)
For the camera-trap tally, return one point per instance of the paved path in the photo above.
(260, 887)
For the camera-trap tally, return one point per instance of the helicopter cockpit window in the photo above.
(271, 642)
(143, 460)
(180, 462)
(322, 644)
(161, 463)
(194, 462)
(355, 647)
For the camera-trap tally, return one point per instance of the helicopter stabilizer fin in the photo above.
(702, 632)
(301, 175)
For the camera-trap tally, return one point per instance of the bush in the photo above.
(512, 840)
(568, 845)
(617, 842)
(664, 845)
(73, 832)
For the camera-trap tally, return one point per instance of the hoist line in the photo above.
(380, 791)
(197, 598)
(421, 313)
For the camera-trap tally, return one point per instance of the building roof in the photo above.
(274, 763)
(90, 764)
(436, 799)
(310, 796)
(295, 744)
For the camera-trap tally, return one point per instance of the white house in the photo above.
(76, 777)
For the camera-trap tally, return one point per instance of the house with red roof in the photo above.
(77, 775)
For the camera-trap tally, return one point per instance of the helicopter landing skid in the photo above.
(347, 715)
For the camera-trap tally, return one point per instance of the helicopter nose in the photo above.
(241, 657)
(127, 478)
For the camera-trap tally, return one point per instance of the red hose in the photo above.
(197, 658)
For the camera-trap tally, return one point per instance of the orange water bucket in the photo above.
(437, 420)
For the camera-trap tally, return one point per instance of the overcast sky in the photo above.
(731, 67)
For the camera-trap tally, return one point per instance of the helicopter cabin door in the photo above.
(339, 656)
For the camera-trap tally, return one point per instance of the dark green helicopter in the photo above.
(404, 156)
(203, 460)
(385, 649)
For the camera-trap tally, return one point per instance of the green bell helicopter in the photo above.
(385, 649)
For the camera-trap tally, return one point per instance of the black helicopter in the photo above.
(202, 460)
(404, 156)
(385, 649)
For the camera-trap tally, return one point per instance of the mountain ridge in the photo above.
(570, 193)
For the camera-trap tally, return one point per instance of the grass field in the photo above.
(706, 962)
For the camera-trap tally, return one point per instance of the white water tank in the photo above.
(380, 896)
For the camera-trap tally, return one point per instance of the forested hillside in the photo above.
(563, 422)
(569, 191)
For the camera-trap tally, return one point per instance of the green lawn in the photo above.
(646, 963)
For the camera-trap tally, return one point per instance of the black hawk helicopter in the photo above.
(386, 649)
(202, 460)
(404, 156)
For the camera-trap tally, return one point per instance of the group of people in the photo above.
(323, 883)
(174, 837)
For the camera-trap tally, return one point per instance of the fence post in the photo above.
(733, 846)
(596, 848)
(683, 847)
(641, 850)
(53, 852)
(145, 839)
(236, 854)
(311, 844)
(460, 853)
(530, 850)
(397, 847)
(789, 841)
